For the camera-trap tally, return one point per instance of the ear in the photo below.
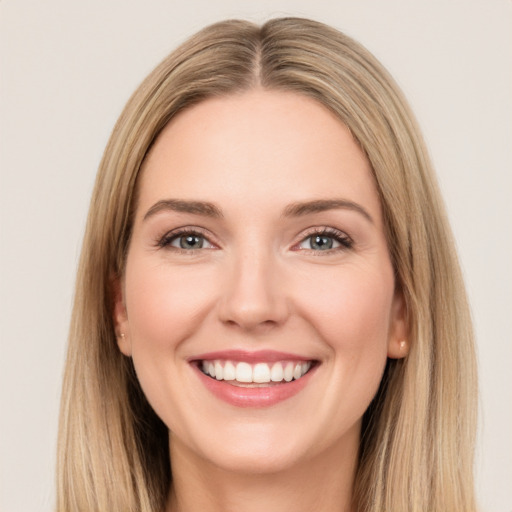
(120, 317)
(398, 344)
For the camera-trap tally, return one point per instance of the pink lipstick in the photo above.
(253, 379)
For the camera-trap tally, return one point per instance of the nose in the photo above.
(253, 296)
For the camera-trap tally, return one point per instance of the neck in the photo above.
(323, 483)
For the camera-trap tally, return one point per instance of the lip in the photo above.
(256, 397)
(258, 356)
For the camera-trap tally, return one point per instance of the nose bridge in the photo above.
(253, 294)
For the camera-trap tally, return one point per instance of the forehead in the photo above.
(269, 146)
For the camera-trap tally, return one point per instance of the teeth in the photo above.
(229, 371)
(243, 372)
(219, 372)
(288, 372)
(259, 373)
(277, 373)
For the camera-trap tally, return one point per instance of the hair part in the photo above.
(416, 450)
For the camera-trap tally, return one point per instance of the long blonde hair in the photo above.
(416, 450)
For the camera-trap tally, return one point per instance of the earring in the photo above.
(121, 335)
(403, 344)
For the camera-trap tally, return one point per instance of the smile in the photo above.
(243, 373)
(256, 379)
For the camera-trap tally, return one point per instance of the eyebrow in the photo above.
(297, 209)
(178, 205)
(321, 205)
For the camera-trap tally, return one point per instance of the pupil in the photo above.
(321, 242)
(191, 242)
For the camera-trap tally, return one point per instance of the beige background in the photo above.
(67, 68)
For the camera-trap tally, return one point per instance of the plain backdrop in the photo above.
(68, 67)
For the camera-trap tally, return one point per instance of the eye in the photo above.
(190, 241)
(326, 240)
(319, 243)
(186, 241)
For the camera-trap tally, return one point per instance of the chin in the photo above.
(255, 460)
(257, 448)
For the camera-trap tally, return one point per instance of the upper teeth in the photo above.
(258, 373)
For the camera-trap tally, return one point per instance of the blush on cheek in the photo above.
(351, 311)
(167, 305)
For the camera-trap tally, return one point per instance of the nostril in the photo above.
(252, 325)
(257, 314)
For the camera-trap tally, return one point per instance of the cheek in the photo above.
(350, 307)
(351, 311)
(165, 305)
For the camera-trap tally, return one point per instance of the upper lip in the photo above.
(258, 356)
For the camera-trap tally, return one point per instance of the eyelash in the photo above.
(338, 236)
(166, 241)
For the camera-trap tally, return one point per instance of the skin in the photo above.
(258, 284)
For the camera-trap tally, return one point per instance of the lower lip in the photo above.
(253, 397)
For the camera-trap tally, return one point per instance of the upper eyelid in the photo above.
(187, 229)
(177, 232)
(324, 230)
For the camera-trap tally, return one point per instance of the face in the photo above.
(258, 302)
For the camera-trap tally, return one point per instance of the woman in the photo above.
(269, 304)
